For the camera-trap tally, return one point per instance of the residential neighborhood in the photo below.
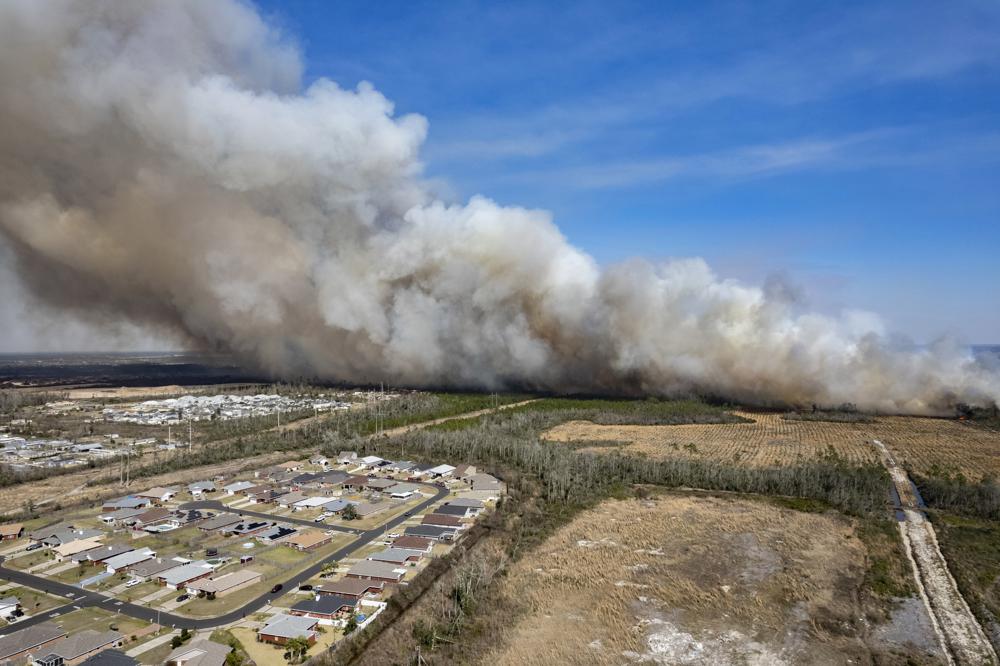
(298, 550)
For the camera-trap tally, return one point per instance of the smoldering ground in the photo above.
(162, 162)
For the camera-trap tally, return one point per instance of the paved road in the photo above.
(215, 505)
(84, 598)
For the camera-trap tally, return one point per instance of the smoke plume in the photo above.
(161, 160)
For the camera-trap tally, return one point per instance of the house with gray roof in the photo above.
(110, 657)
(151, 568)
(219, 522)
(371, 570)
(431, 532)
(125, 560)
(397, 556)
(81, 645)
(30, 642)
(102, 553)
(199, 488)
(282, 628)
(199, 652)
(179, 577)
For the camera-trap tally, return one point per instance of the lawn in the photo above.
(99, 619)
(205, 607)
(30, 559)
(34, 601)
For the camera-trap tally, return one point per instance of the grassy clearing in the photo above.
(972, 548)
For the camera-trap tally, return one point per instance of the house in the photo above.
(110, 657)
(157, 516)
(188, 516)
(237, 487)
(336, 506)
(419, 544)
(462, 471)
(484, 482)
(126, 560)
(440, 471)
(275, 533)
(200, 488)
(149, 569)
(402, 466)
(381, 484)
(248, 528)
(371, 570)
(226, 583)
(254, 490)
(347, 457)
(396, 556)
(11, 531)
(9, 606)
(370, 461)
(120, 516)
(431, 532)
(199, 652)
(308, 539)
(127, 502)
(265, 496)
(466, 502)
(30, 641)
(289, 499)
(63, 535)
(330, 479)
(441, 520)
(310, 503)
(79, 646)
(354, 588)
(74, 548)
(180, 577)
(158, 494)
(355, 482)
(282, 628)
(102, 553)
(220, 522)
(457, 511)
(407, 488)
(320, 461)
(324, 607)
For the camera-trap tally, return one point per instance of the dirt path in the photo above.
(962, 639)
(467, 415)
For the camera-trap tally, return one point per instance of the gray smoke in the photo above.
(161, 161)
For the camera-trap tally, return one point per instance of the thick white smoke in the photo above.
(160, 158)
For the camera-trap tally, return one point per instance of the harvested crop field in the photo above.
(700, 580)
(919, 443)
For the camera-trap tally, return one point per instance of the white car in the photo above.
(133, 582)
(393, 535)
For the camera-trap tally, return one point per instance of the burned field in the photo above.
(702, 580)
(924, 445)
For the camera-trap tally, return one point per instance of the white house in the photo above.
(239, 486)
(370, 461)
(440, 470)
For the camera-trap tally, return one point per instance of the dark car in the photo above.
(408, 514)
(34, 546)
(276, 588)
(183, 597)
(306, 588)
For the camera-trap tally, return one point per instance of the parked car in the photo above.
(393, 535)
(321, 517)
(34, 546)
(133, 582)
(305, 588)
(276, 588)
(183, 597)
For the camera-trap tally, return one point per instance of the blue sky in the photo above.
(852, 148)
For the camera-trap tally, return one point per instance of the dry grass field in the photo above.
(696, 580)
(922, 443)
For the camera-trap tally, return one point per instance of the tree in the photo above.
(350, 513)
(352, 624)
(295, 649)
(234, 658)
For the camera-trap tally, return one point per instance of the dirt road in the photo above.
(962, 639)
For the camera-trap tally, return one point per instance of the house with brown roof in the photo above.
(308, 539)
(11, 531)
(355, 482)
(225, 584)
(355, 588)
(377, 571)
(441, 520)
(410, 542)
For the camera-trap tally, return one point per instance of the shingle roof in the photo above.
(376, 569)
(289, 626)
(349, 586)
(109, 658)
(28, 638)
(324, 604)
(80, 643)
(200, 652)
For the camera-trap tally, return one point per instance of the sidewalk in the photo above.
(149, 645)
(159, 594)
